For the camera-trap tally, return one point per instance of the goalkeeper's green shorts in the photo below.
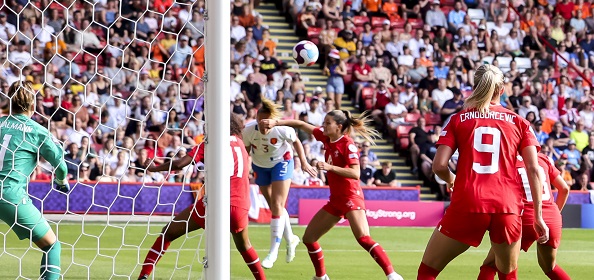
(24, 219)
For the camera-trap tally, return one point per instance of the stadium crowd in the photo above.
(120, 81)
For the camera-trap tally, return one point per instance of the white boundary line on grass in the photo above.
(68, 248)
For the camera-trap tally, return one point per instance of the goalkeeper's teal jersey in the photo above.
(22, 141)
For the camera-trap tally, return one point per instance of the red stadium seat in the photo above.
(313, 32)
(448, 57)
(466, 93)
(369, 104)
(367, 93)
(377, 21)
(404, 143)
(448, 3)
(403, 130)
(412, 117)
(446, 10)
(433, 119)
(397, 23)
(358, 30)
(416, 23)
(360, 20)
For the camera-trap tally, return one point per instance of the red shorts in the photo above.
(339, 207)
(552, 218)
(239, 217)
(469, 228)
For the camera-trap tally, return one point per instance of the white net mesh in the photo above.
(116, 82)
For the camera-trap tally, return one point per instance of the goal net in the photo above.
(117, 82)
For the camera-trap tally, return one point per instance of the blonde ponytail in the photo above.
(22, 97)
(269, 107)
(488, 83)
(359, 126)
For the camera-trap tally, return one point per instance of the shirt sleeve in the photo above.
(318, 133)
(289, 134)
(447, 136)
(553, 171)
(51, 151)
(351, 153)
(197, 153)
(528, 136)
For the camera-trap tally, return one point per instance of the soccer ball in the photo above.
(305, 53)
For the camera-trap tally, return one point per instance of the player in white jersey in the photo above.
(272, 162)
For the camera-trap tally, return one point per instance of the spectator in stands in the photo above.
(267, 43)
(456, 17)
(380, 72)
(452, 106)
(385, 177)
(367, 171)
(417, 72)
(418, 138)
(237, 30)
(72, 161)
(441, 69)
(425, 104)
(251, 92)
(430, 81)
(527, 107)
(362, 75)
(569, 115)
(586, 114)
(541, 136)
(269, 65)
(395, 112)
(335, 69)
(579, 136)
(314, 116)
(582, 184)
(409, 98)
(435, 17)
(560, 138)
(345, 45)
(440, 95)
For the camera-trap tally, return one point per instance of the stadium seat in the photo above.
(412, 117)
(449, 3)
(368, 104)
(476, 14)
(522, 62)
(466, 93)
(397, 23)
(488, 60)
(403, 143)
(358, 30)
(377, 21)
(504, 61)
(416, 23)
(446, 10)
(448, 57)
(433, 119)
(313, 32)
(360, 20)
(403, 130)
(367, 93)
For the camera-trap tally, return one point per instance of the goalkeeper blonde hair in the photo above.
(488, 83)
(269, 107)
(22, 97)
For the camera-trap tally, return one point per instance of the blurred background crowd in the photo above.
(119, 81)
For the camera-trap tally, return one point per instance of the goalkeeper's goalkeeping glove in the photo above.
(62, 185)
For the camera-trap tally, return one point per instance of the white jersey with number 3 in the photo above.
(270, 149)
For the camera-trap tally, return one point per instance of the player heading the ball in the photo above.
(23, 140)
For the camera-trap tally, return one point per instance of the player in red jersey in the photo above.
(346, 196)
(551, 211)
(192, 218)
(488, 195)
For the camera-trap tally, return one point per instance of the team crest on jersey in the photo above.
(273, 141)
(335, 153)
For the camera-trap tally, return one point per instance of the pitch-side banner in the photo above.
(384, 213)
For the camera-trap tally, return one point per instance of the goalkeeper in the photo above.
(22, 140)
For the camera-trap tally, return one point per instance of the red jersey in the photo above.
(341, 153)
(240, 181)
(487, 180)
(362, 70)
(548, 173)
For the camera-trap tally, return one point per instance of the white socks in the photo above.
(288, 233)
(277, 227)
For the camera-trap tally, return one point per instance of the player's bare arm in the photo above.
(304, 162)
(352, 172)
(270, 123)
(173, 165)
(441, 165)
(529, 155)
(563, 191)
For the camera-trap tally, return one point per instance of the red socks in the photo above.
(253, 262)
(427, 273)
(487, 272)
(558, 274)
(510, 276)
(317, 258)
(377, 253)
(155, 253)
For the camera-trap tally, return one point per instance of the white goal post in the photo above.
(217, 153)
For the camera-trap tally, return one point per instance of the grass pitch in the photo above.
(100, 251)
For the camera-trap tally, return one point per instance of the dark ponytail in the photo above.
(352, 125)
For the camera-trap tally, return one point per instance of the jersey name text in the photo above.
(17, 126)
(490, 115)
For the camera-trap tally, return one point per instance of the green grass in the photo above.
(99, 251)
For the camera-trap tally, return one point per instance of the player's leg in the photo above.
(360, 227)
(239, 231)
(488, 271)
(27, 222)
(547, 256)
(454, 234)
(505, 232)
(319, 225)
(186, 221)
(440, 251)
